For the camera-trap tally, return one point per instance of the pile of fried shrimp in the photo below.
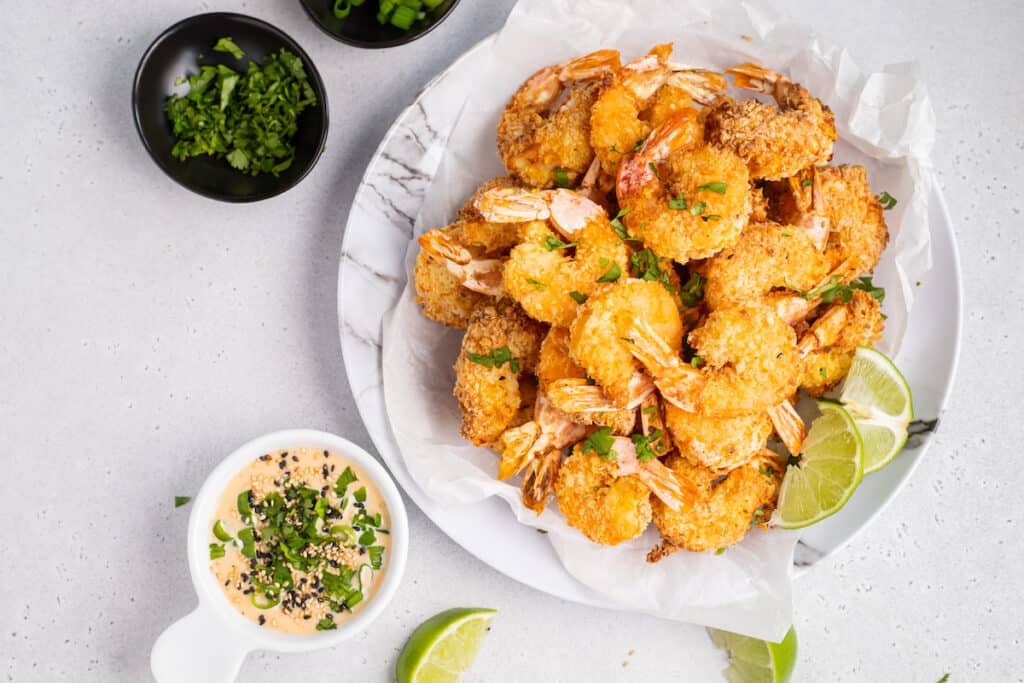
(661, 272)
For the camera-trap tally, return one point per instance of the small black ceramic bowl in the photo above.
(361, 28)
(178, 51)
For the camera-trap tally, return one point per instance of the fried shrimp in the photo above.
(725, 508)
(599, 338)
(717, 443)
(555, 365)
(639, 96)
(774, 142)
(765, 257)
(840, 201)
(567, 249)
(609, 498)
(685, 200)
(501, 342)
(829, 345)
(748, 362)
(537, 140)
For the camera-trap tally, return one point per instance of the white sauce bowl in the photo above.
(209, 645)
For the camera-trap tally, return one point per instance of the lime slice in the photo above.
(879, 399)
(756, 661)
(444, 646)
(827, 472)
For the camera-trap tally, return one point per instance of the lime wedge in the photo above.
(879, 399)
(444, 646)
(827, 472)
(756, 661)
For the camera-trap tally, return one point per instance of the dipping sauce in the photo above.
(299, 540)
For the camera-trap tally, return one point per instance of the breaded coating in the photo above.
(717, 443)
(490, 397)
(765, 257)
(727, 507)
(555, 363)
(751, 360)
(598, 337)
(441, 294)
(607, 508)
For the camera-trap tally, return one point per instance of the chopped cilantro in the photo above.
(720, 551)
(678, 204)
(887, 201)
(495, 359)
(578, 297)
(716, 187)
(697, 362)
(806, 182)
(612, 274)
(248, 119)
(326, 624)
(551, 243)
(347, 477)
(644, 444)
(537, 284)
(698, 208)
(620, 229)
(646, 265)
(600, 442)
(693, 291)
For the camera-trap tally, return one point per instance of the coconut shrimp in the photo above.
(717, 443)
(837, 203)
(639, 96)
(556, 365)
(685, 200)
(775, 142)
(748, 362)
(766, 257)
(599, 338)
(539, 141)
(609, 498)
(541, 273)
(501, 342)
(725, 508)
(829, 345)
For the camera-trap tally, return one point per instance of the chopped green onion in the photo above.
(181, 500)
(806, 182)
(228, 45)
(263, 601)
(360, 494)
(347, 477)
(578, 297)
(218, 531)
(600, 442)
(697, 362)
(887, 201)
(403, 17)
(698, 208)
(537, 284)
(678, 204)
(243, 505)
(326, 624)
(551, 243)
(693, 291)
(216, 551)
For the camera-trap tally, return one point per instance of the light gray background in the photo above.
(146, 332)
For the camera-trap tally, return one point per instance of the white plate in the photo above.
(372, 275)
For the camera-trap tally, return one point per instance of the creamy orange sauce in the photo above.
(300, 610)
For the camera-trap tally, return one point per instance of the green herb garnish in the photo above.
(181, 500)
(248, 119)
(537, 284)
(698, 208)
(341, 485)
(887, 201)
(678, 204)
(495, 359)
(578, 297)
(806, 182)
(561, 177)
(693, 290)
(646, 265)
(720, 551)
(697, 362)
(600, 442)
(220, 533)
(620, 229)
(716, 187)
(644, 444)
(612, 274)
(216, 551)
(326, 624)
(551, 243)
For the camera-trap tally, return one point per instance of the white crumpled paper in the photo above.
(885, 122)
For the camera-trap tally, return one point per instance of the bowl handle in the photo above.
(198, 649)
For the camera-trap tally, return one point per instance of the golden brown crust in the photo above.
(605, 507)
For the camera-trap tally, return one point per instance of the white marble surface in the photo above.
(147, 332)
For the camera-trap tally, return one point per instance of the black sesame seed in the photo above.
(295, 458)
(282, 464)
(262, 620)
(326, 454)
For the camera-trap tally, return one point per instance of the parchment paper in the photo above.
(885, 122)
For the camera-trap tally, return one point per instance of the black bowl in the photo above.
(177, 52)
(361, 28)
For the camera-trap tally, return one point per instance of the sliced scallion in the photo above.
(220, 533)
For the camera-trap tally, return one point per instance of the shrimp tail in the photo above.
(590, 66)
(512, 205)
(539, 480)
(480, 275)
(659, 478)
(680, 384)
(702, 85)
(516, 447)
(750, 76)
(440, 245)
(789, 426)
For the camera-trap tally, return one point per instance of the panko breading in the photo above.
(599, 340)
(441, 294)
(538, 137)
(555, 364)
(765, 257)
(490, 397)
(727, 507)
(607, 508)
(717, 443)
(775, 142)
